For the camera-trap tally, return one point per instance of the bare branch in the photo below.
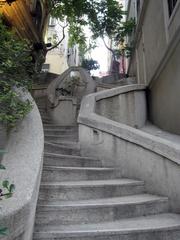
(60, 41)
(110, 49)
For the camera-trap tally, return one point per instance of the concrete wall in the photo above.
(128, 108)
(39, 92)
(132, 9)
(65, 112)
(64, 109)
(165, 96)
(137, 154)
(23, 162)
(58, 63)
(154, 37)
(157, 45)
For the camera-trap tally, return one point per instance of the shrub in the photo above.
(16, 70)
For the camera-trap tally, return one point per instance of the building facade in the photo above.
(61, 57)
(56, 60)
(155, 59)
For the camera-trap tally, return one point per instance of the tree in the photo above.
(90, 64)
(56, 44)
(16, 70)
(104, 18)
(100, 15)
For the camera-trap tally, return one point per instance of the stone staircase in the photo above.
(80, 199)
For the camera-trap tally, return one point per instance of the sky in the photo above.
(100, 54)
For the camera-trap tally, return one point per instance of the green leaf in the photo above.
(8, 195)
(11, 188)
(16, 69)
(3, 231)
(3, 151)
(2, 167)
(5, 184)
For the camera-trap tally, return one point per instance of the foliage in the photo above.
(55, 41)
(86, 48)
(90, 64)
(7, 189)
(104, 18)
(16, 70)
(12, 107)
(69, 86)
(3, 231)
(2, 167)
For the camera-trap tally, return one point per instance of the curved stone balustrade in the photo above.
(138, 154)
(86, 79)
(63, 108)
(23, 162)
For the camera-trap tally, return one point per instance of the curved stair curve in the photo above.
(80, 199)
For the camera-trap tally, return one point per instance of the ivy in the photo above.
(16, 70)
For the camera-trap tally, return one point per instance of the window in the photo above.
(171, 6)
(45, 67)
(52, 22)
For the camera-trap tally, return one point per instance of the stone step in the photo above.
(61, 138)
(45, 116)
(100, 210)
(91, 189)
(43, 112)
(60, 149)
(42, 108)
(155, 227)
(60, 131)
(69, 144)
(45, 121)
(41, 104)
(56, 126)
(62, 160)
(57, 174)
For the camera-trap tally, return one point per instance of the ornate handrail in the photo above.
(51, 91)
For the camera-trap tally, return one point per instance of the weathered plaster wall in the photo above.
(128, 108)
(58, 63)
(64, 109)
(154, 37)
(161, 174)
(165, 96)
(65, 112)
(23, 163)
(157, 54)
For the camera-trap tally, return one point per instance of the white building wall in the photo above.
(155, 61)
(60, 58)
